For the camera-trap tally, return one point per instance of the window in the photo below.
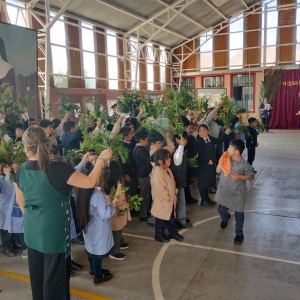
(188, 83)
(59, 53)
(214, 81)
(242, 91)
(112, 60)
(271, 33)
(17, 16)
(150, 70)
(206, 54)
(298, 34)
(89, 65)
(134, 66)
(236, 40)
(162, 69)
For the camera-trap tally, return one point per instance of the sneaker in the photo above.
(224, 224)
(75, 266)
(205, 203)
(185, 226)
(78, 240)
(211, 201)
(105, 277)
(124, 246)
(91, 272)
(9, 252)
(162, 239)
(118, 256)
(239, 240)
(176, 237)
(25, 254)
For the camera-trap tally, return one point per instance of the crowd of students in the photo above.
(43, 215)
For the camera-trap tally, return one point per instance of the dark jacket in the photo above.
(71, 140)
(142, 160)
(179, 172)
(134, 113)
(128, 168)
(251, 140)
(15, 138)
(190, 146)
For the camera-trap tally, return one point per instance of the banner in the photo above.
(287, 102)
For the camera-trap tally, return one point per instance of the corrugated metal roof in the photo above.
(124, 15)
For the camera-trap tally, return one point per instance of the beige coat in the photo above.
(163, 189)
(119, 222)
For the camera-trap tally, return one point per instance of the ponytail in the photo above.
(43, 161)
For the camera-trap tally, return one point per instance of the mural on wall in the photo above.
(18, 62)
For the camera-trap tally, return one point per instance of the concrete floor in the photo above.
(207, 265)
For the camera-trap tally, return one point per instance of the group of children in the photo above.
(157, 169)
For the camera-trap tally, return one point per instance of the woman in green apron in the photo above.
(42, 192)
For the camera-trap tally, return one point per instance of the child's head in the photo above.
(236, 147)
(53, 151)
(90, 131)
(177, 137)
(192, 128)
(162, 158)
(69, 126)
(93, 158)
(19, 130)
(111, 175)
(141, 137)
(252, 122)
(114, 106)
(136, 105)
(127, 134)
(56, 122)
(134, 122)
(109, 127)
(130, 125)
(47, 125)
(156, 139)
(33, 123)
(203, 130)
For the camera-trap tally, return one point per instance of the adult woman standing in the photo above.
(42, 192)
(265, 109)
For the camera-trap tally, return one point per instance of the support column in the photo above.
(156, 69)
(143, 70)
(101, 62)
(121, 83)
(74, 57)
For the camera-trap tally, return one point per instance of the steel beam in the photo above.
(215, 9)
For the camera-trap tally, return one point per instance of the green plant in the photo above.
(191, 162)
(126, 101)
(270, 84)
(134, 204)
(151, 128)
(74, 154)
(65, 105)
(152, 108)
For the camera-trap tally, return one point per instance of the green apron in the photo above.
(47, 214)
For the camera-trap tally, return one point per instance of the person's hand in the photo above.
(228, 131)
(106, 154)
(68, 115)
(235, 176)
(98, 124)
(210, 162)
(120, 119)
(182, 142)
(168, 135)
(256, 145)
(86, 157)
(24, 117)
(127, 178)
(220, 104)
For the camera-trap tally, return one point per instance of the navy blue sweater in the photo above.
(142, 160)
(70, 141)
(251, 139)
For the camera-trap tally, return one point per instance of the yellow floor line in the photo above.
(73, 291)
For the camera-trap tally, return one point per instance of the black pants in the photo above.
(266, 122)
(203, 193)
(251, 155)
(10, 239)
(49, 275)
(160, 226)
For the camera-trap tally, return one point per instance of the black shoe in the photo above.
(254, 171)
(224, 224)
(176, 237)
(239, 240)
(205, 203)
(17, 246)
(9, 252)
(118, 256)
(162, 239)
(185, 226)
(91, 273)
(191, 201)
(211, 201)
(144, 219)
(187, 219)
(78, 240)
(105, 277)
(75, 266)
(124, 246)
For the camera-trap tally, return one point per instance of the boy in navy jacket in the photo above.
(251, 140)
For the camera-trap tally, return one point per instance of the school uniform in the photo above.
(207, 173)
(265, 114)
(251, 141)
(231, 194)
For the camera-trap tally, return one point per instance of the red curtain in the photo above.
(287, 102)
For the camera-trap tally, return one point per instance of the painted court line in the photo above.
(73, 291)
(139, 236)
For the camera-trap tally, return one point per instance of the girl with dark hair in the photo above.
(94, 211)
(163, 189)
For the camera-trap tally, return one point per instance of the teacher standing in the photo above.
(265, 109)
(42, 192)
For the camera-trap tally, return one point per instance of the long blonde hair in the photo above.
(37, 142)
